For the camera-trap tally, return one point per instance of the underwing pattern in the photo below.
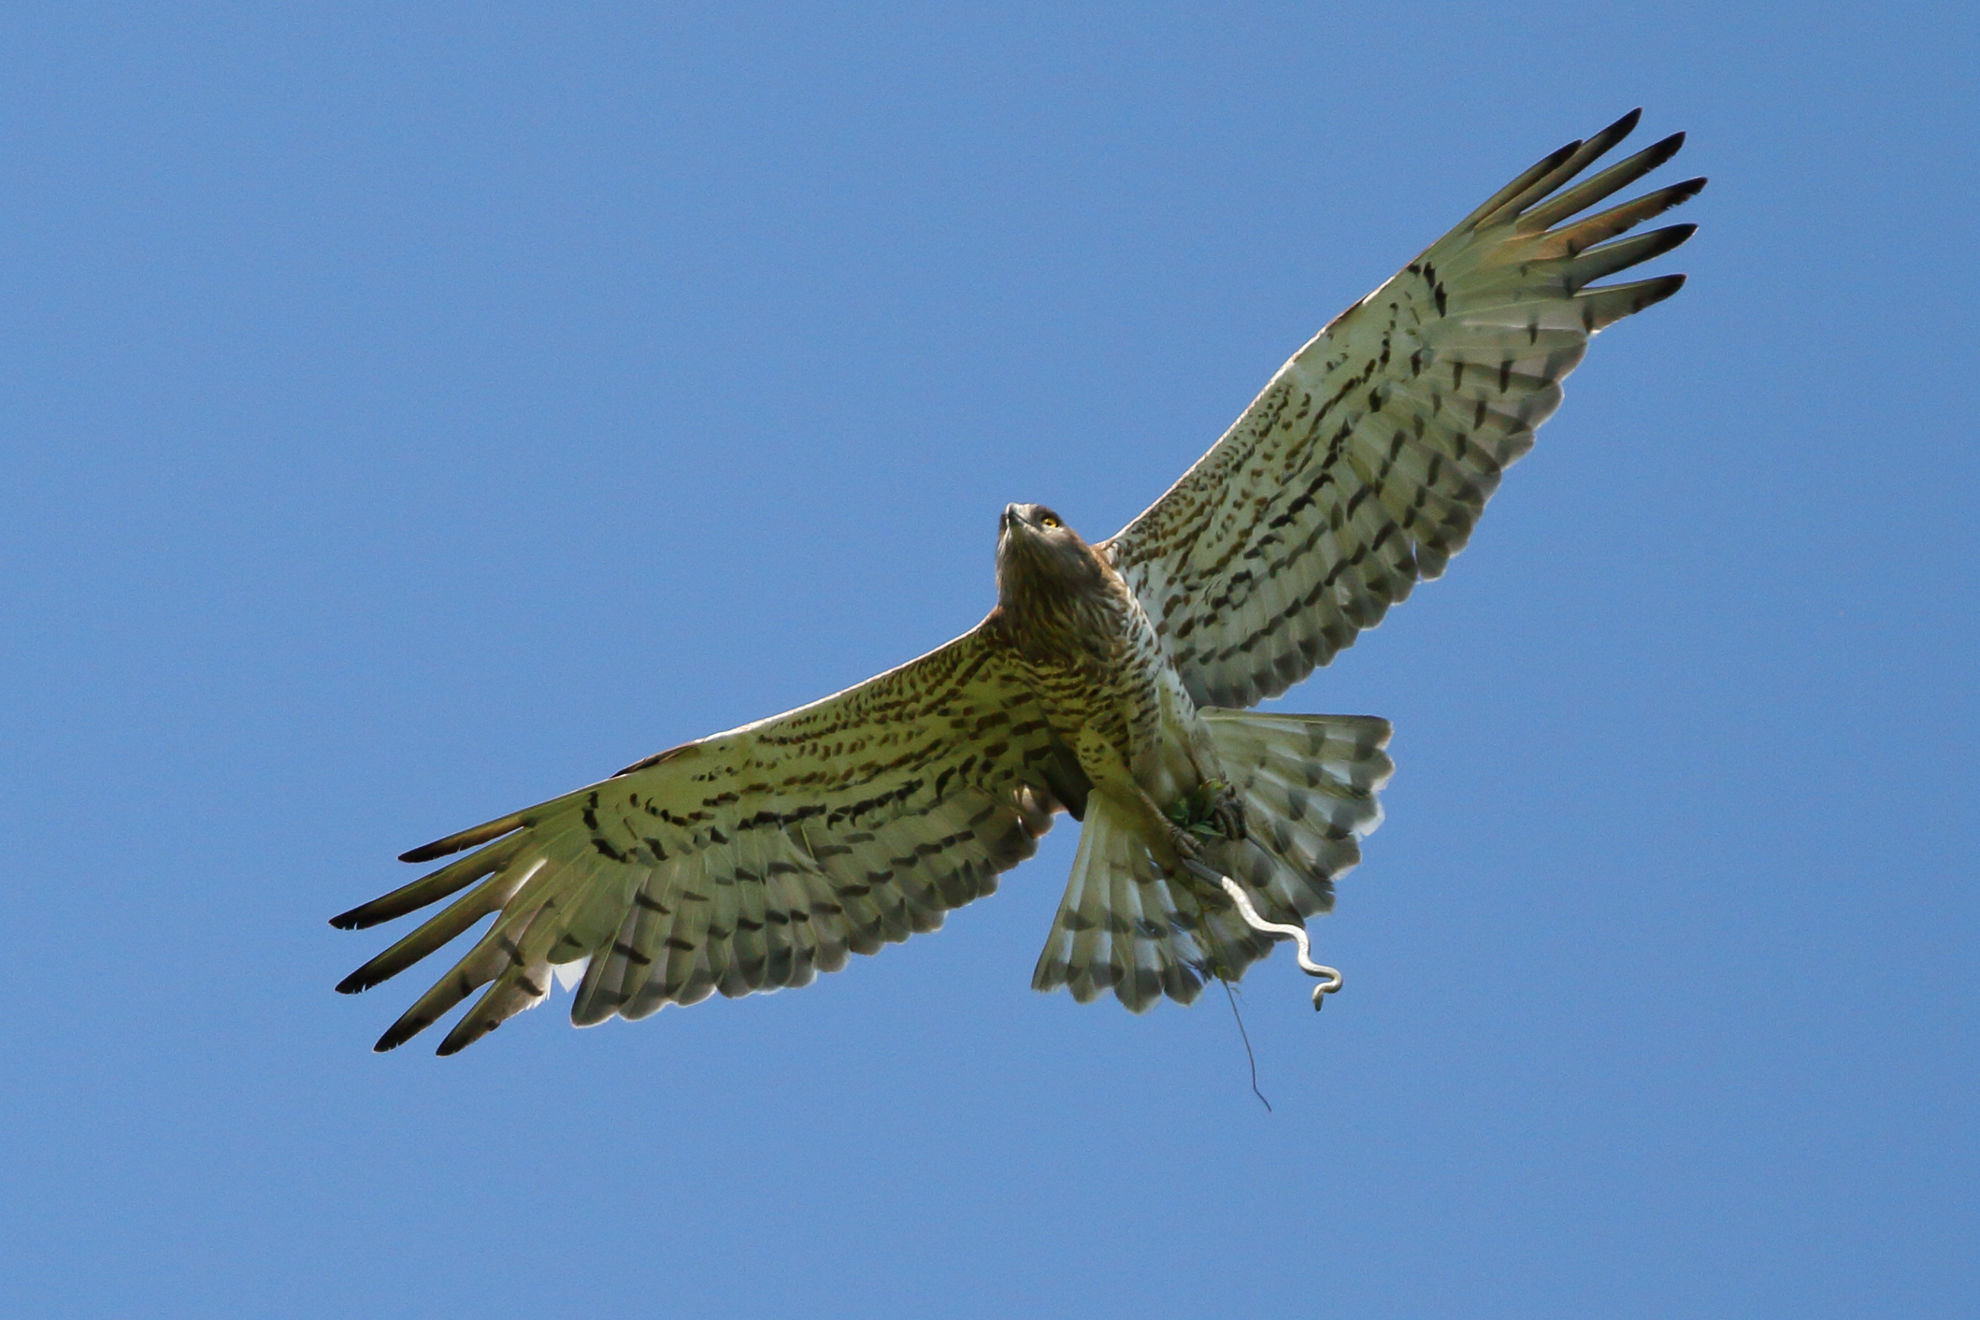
(1108, 682)
(1365, 461)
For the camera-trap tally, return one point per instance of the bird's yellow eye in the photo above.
(1048, 522)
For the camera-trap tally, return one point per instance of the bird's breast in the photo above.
(1104, 679)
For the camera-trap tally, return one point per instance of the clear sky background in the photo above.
(411, 413)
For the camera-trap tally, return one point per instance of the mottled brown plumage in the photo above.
(1100, 684)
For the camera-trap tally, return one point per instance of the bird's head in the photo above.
(1037, 552)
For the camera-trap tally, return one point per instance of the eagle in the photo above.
(1109, 681)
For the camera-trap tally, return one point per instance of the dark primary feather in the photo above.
(1366, 461)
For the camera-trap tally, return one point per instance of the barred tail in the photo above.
(1308, 783)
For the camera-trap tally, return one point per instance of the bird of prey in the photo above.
(1108, 681)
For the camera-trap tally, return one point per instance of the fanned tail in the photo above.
(1309, 785)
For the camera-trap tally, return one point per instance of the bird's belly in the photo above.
(1130, 723)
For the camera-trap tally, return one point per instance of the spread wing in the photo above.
(1364, 463)
(747, 861)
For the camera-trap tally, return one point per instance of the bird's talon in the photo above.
(1183, 839)
(1228, 816)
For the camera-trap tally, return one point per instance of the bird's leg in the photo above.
(1183, 843)
(1171, 840)
(1167, 832)
(1213, 802)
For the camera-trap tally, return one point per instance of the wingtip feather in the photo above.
(1599, 143)
(464, 840)
(400, 1032)
(1610, 303)
(479, 1021)
(1657, 153)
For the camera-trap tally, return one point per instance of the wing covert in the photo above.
(1365, 462)
(747, 861)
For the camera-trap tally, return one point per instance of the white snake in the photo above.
(1330, 977)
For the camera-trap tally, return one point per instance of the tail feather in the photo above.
(1309, 785)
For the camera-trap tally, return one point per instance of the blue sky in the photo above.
(412, 413)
